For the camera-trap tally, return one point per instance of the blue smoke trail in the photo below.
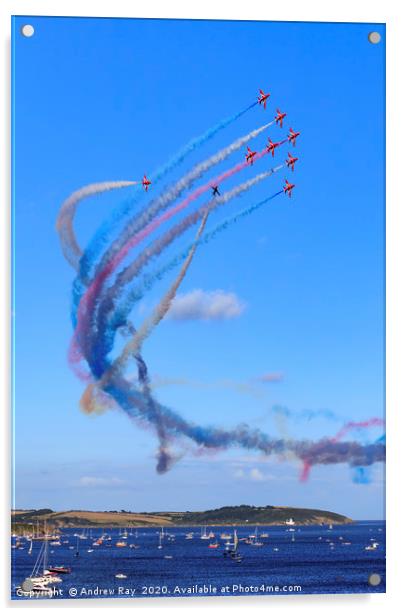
(150, 279)
(144, 217)
(319, 452)
(104, 232)
(104, 345)
(91, 338)
(362, 474)
(307, 414)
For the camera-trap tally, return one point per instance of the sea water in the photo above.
(318, 560)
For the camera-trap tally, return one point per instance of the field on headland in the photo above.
(224, 516)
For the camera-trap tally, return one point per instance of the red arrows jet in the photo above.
(272, 146)
(288, 188)
(291, 160)
(146, 182)
(280, 117)
(292, 135)
(263, 98)
(215, 190)
(250, 155)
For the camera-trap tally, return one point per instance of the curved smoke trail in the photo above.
(165, 458)
(141, 406)
(354, 425)
(64, 223)
(72, 253)
(107, 228)
(171, 194)
(132, 349)
(322, 452)
(306, 414)
(348, 427)
(150, 279)
(142, 219)
(101, 338)
(184, 254)
(87, 306)
(134, 345)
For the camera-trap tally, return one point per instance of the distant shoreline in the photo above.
(242, 515)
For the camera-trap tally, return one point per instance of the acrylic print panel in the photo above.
(198, 223)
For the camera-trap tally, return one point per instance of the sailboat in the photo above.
(231, 549)
(225, 535)
(255, 542)
(160, 541)
(59, 569)
(373, 546)
(204, 535)
(40, 577)
(235, 555)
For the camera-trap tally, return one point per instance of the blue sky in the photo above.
(105, 99)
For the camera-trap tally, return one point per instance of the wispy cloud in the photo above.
(270, 377)
(257, 475)
(206, 306)
(99, 482)
(253, 474)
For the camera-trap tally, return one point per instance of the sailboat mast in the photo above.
(45, 552)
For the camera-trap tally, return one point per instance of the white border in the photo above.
(291, 10)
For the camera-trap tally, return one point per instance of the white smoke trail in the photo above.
(105, 326)
(134, 345)
(65, 219)
(156, 247)
(139, 221)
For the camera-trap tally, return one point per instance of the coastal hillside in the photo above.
(224, 516)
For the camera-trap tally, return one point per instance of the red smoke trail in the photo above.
(374, 422)
(88, 301)
(134, 345)
(102, 331)
(306, 469)
(352, 425)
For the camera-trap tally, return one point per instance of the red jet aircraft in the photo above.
(280, 117)
(263, 98)
(272, 146)
(291, 160)
(288, 188)
(292, 135)
(146, 182)
(250, 155)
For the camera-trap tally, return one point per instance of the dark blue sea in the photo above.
(318, 560)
